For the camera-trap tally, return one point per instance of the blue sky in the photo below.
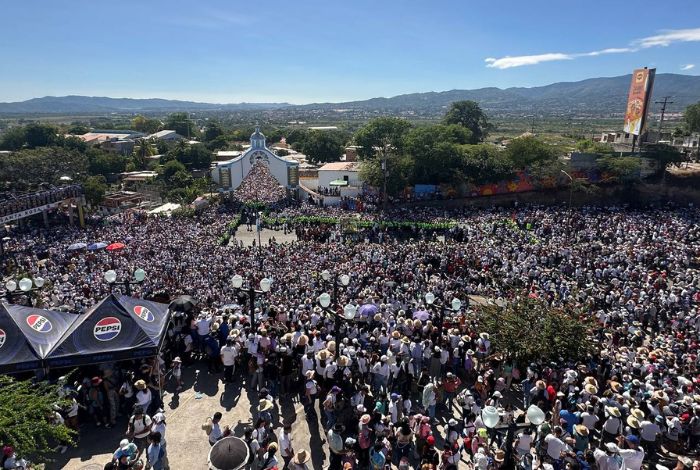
(312, 51)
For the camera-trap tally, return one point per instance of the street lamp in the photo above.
(325, 300)
(250, 292)
(455, 306)
(571, 192)
(111, 278)
(26, 286)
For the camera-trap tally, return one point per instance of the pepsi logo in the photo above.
(39, 323)
(143, 313)
(2, 338)
(107, 329)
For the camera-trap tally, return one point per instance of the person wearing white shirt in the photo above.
(215, 434)
(229, 353)
(555, 445)
(633, 456)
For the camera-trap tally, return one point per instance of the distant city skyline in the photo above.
(312, 51)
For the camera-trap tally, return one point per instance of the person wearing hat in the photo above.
(581, 437)
(97, 402)
(144, 396)
(138, 427)
(450, 385)
(608, 459)
(126, 449)
(268, 459)
(335, 446)
(310, 392)
(299, 461)
(612, 427)
(429, 399)
(429, 454)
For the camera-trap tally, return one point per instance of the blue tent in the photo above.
(28, 334)
(118, 328)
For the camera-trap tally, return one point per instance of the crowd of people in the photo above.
(10, 203)
(260, 186)
(392, 387)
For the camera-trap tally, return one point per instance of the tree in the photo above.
(623, 169)
(528, 150)
(590, 146)
(95, 188)
(104, 163)
(170, 168)
(77, 128)
(143, 148)
(181, 123)
(485, 163)
(470, 115)
(665, 155)
(146, 125)
(529, 330)
(40, 135)
(24, 407)
(196, 156)
(14, 138)
(380, 133)
(398, 173)
(28, 168)
(436, 153)
(323, 146)
(691, 117)
(213, 131)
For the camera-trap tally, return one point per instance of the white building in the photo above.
(230, 173)
(337, 172)
(166, 135)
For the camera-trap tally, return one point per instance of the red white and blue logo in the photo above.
(143, 313)
(3, 336)
(39, 323)
(107, 329)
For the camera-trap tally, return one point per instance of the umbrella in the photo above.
(115, 246)
(184, 303)
(421, 315)
(77, 246)
(230, 453)
(367, 310)
(96, 246)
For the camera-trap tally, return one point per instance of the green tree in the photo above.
(47, 164)
(75, 143)
(485, 163)
(24, 408)
(399, 171)
(104, 163)
(13, 138)
(143, 148)
(323, 146)
(622, 169)
(470, 115)
(170, 168)
(182, 124)
(196, 156)
(436, 152)
(590, 146)
(213, 130)
(528, 330)
(146, 125)
(665, 155)
(40, 135)
(381, 133)
(77, 128)
(95, 188)
(691, 117)
(528, 150)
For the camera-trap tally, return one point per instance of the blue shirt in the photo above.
(570, 418)
(154, 459)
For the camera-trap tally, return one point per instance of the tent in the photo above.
(118, 328)
(338, 183)
(28, 334)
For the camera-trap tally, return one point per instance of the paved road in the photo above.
(242, 234)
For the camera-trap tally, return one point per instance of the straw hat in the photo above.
(272, 447)
(616, 386)
(140, 385)
(265, 405)
(303, 340)
(343, 361)
(331, 347)
(500, 455)
(590, 388)
(323, 355)
(581, 430)
(395, 334)
(637, 413)
(540, 384)
(484, 335)
(215, 327)
(633, 422)
(377, 317)
(365, 419)
(613, 411)
(405, 340)
(177, 360)
(301, 457)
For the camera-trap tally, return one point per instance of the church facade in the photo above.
(230, 173)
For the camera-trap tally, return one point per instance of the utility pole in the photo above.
(663, 104)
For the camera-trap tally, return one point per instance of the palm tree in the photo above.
(143, 148)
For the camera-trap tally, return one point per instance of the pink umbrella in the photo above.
(115, 247)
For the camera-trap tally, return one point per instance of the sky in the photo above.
(228, 51)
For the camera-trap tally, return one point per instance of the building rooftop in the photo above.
(340, 166)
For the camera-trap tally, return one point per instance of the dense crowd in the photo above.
(260, 186)
(392, 386)
(10, 203)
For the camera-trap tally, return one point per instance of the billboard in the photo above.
(638, 100)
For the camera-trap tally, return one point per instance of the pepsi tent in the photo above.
(118, 328)
(28, 334)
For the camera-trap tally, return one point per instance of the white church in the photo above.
(230, 173)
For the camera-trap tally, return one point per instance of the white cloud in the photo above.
(518, 61)
(668, 37)
(665, 38)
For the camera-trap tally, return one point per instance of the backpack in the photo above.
(377, 459)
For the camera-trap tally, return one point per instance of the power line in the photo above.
(663, 112)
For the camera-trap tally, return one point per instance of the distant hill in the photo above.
(97, 104)
(594, 96)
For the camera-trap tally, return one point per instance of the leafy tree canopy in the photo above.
(691, 117)
(527, 150)
(381, 133)
(529, 330)
(469, 114)
(323, 146)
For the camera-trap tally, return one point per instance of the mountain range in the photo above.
(594, 96)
